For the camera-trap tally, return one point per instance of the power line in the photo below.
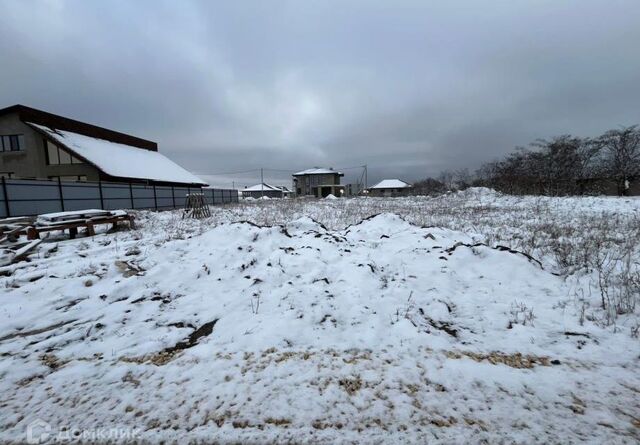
(278, 170)
(361, 183)
(269, 169)
(228, 173)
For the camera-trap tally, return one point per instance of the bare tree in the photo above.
(447, 177)
(462, 178)
(623, 155)
(562, 165)
(428, 186)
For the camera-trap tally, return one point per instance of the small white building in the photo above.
(264, 189)
(390, 187)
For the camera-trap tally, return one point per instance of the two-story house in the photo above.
(35, 144)
(318, 182)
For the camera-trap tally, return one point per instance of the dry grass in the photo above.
(598, 248)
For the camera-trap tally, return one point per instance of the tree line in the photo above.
(562, 165)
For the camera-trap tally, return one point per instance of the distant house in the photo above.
(260, 190)
(318, 182)
(390, 187)
(35, 144)
(285, 191)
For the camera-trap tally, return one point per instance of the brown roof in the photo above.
(28, 114)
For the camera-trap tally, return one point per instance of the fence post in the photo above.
(100, 190)
(173, 197)
(6, 197)
(131, 195)
(155, 198)
(60, 192)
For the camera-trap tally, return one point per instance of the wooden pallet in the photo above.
(72, 225)
(196, 206)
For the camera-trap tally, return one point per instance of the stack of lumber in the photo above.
(73, 220)
(14, 249)
(11, 228)
(74, 215)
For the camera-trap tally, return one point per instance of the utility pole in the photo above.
(261, 183)
(366, 173)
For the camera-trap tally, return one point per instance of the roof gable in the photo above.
(28, 114)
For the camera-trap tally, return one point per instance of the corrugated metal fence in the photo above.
(24, 197)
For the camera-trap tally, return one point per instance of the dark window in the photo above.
(12, 142)
(7, 175)
(15, 143)
(69, 178)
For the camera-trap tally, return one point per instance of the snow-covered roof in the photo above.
(391, 184)
(317, 171)
(262, 187)
(119, 160)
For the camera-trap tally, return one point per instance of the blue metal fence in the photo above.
(25, 197)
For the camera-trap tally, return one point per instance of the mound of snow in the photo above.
(330, 196)
(231, 334)
(304, 224)
(479, 192)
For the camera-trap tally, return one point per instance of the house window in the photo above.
(59, 156)
(52, 154)
(12, 142)
(69, 178)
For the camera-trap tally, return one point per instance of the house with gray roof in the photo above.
(318, 182)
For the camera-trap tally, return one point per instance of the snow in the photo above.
(51, 219)
(391, 184)
(73, 213)
(343, 330)
(259, 187)
(122, 161)
(479, 192)
(317, 171)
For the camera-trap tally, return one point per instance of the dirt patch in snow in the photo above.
(166, 355)
(515, 360)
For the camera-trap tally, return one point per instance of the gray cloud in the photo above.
(408, 88)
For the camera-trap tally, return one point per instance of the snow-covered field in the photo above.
(472, 317)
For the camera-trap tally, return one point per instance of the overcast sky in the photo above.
(409, 88)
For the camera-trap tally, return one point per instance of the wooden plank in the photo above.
(32, 233)
(90, 230)
(16, 220)
(24, 251)
(62, 217)
(12, 235)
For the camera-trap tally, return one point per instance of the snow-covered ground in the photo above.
(472, 317)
